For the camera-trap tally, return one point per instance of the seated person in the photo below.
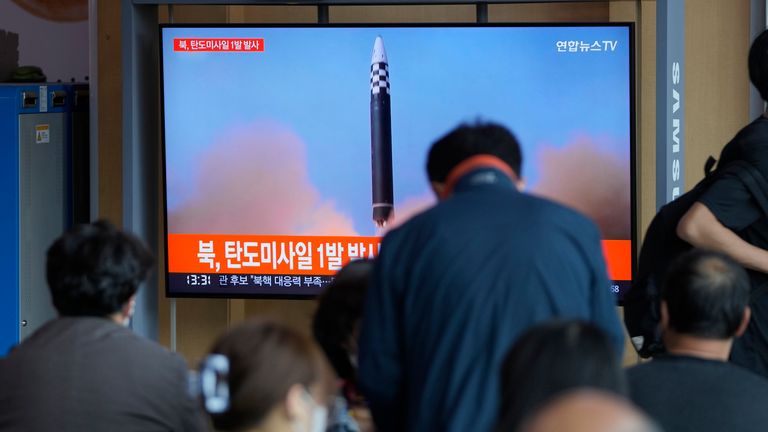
(694, 388)
(265, 376)
(552, 358)
(588, 411)
(85, 370)
(336, 326)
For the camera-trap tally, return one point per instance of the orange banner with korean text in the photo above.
(308, 255)
(266, 254)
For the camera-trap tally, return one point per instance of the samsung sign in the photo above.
(670, 16)
(676, 134)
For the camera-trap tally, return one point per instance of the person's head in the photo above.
(758, 64)
(489, 143)
(588, 411)
(95, 270)
(337, 319)
(551, 358)
(264, 374)
(705, 295)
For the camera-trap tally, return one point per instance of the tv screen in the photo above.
(291, 150)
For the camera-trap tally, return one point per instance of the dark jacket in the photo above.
(690, 394)
(90, 374)
(455, 286)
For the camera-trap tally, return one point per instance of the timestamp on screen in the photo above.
(198, 279)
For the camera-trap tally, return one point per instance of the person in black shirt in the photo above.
(728, 219)
(693, 388)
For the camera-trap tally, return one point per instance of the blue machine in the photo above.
(36, 192)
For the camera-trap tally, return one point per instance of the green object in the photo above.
(28, 74)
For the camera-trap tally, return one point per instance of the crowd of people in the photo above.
(490, 311)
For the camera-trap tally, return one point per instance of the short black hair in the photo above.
(469, 140)
(553, 357)
(94, 269)
(339, 310)
(706, 294)
(758, 64)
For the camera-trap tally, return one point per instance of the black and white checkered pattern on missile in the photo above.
(379, 78)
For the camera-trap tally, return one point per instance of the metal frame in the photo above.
(343, 2)
(140, 134)
(670, 104)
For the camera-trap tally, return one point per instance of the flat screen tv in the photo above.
(290, 150)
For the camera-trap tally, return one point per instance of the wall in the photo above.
(717, 38)
(59, 47)
(716, 98)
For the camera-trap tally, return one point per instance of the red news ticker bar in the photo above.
(218, 44)
(185, 252)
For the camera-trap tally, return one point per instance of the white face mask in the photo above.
(129, 316)
(318, 417)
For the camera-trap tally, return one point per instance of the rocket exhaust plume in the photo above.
(381, 137)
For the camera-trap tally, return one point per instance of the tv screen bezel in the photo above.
(632, 127)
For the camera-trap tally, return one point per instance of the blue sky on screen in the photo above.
(315, 81)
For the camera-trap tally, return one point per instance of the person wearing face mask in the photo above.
(85, 370)
(263, 376)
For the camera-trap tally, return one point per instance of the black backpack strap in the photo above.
(708, 165)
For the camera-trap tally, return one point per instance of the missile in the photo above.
(381, 137)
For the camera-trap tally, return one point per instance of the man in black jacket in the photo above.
(85, 371)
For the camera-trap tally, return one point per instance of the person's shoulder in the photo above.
(662, 367)
(757, 126)
(643, 370)
(745, 377)
(416, 223)
(150, 348)
(678, 366)
(119, 342)
(749, 139)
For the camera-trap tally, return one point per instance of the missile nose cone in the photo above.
(379, 54)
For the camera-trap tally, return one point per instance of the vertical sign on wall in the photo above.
(670, 50)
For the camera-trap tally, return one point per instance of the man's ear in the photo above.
(519, 184)
(664, 322)
(294, 402)
(439, 189)
(744, 322)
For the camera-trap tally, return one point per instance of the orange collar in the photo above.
(471, 164)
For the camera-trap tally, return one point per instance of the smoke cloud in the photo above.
(594, 181)
(254, 180)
